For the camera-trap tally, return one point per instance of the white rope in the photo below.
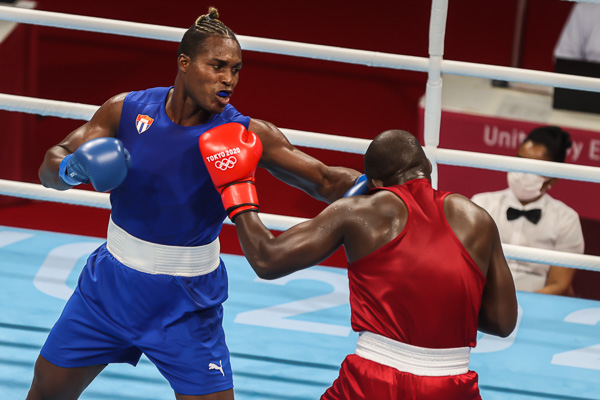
(38, 192)
(49, 108)
(280, 222)
(91, 24)
(551, 257)
(338, 143)
(297, 49)
(326, 142)
(521, 75)
(311, 139)
(508, 163)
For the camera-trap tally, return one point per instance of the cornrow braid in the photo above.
(205, 26)
(210, 23)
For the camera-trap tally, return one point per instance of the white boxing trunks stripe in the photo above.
(154, 258)
(412, 359)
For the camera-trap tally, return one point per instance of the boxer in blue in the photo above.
(157, 285)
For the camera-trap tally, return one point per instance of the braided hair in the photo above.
(556, 141)
(205, 26)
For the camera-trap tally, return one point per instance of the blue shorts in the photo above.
(116, 313)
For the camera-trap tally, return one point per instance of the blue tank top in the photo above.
(168, 196)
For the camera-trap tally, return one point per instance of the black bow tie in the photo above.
(532, 215)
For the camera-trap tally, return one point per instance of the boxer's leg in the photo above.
(53, 382)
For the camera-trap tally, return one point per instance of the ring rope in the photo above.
(47, 108)
(330, 53)
(551, 257)
(339, 143)
(280, 223)
(35, 191)
(298, 49)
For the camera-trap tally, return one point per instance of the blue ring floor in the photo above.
(287, 337)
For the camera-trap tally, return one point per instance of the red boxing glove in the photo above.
(231, 154)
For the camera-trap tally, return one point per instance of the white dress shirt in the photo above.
(558, 229)
(580, 37)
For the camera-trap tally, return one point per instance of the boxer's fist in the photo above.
(359, 187)
(231, 154)
(103, 161)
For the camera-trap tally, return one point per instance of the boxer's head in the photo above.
(209, 60)
(207, 25)
(394, 157)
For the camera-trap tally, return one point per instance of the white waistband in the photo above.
(412, 359)
(154, 258)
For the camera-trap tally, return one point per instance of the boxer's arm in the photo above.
(104, 123)
(302, 246)
(298, 169)
(478, 233)
(498, 313)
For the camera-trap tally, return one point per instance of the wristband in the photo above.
(243, 209)
(62, 172)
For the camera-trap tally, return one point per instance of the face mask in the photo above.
(526, 187)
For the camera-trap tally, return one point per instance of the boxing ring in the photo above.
(288, 338)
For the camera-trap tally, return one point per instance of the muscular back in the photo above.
(379, 218)
(473, 226)
(374, 221)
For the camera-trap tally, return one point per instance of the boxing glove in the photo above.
(359, 187)
(103, 161)
(231, 154)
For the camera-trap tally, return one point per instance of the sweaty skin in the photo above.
(363, 224)
(203, 87)
(194, 99)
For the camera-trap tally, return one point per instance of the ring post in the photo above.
(433, 91)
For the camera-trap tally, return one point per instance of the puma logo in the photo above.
(218, 367)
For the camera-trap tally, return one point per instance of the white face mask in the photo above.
(526, 187)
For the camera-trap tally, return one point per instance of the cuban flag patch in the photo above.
(143, 123)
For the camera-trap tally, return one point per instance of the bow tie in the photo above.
(532, 215)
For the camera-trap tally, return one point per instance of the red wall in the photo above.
(291, 92)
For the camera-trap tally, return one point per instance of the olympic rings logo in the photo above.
(226, 163)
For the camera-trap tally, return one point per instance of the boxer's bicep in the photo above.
(104, 123)
(298, 169)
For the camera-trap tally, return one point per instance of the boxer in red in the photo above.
(426, 271)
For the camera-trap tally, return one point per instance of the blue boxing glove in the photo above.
(359, 187)
(103, 161)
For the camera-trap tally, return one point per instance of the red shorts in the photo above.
(364, 379)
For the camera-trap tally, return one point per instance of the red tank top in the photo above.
(422, 288)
